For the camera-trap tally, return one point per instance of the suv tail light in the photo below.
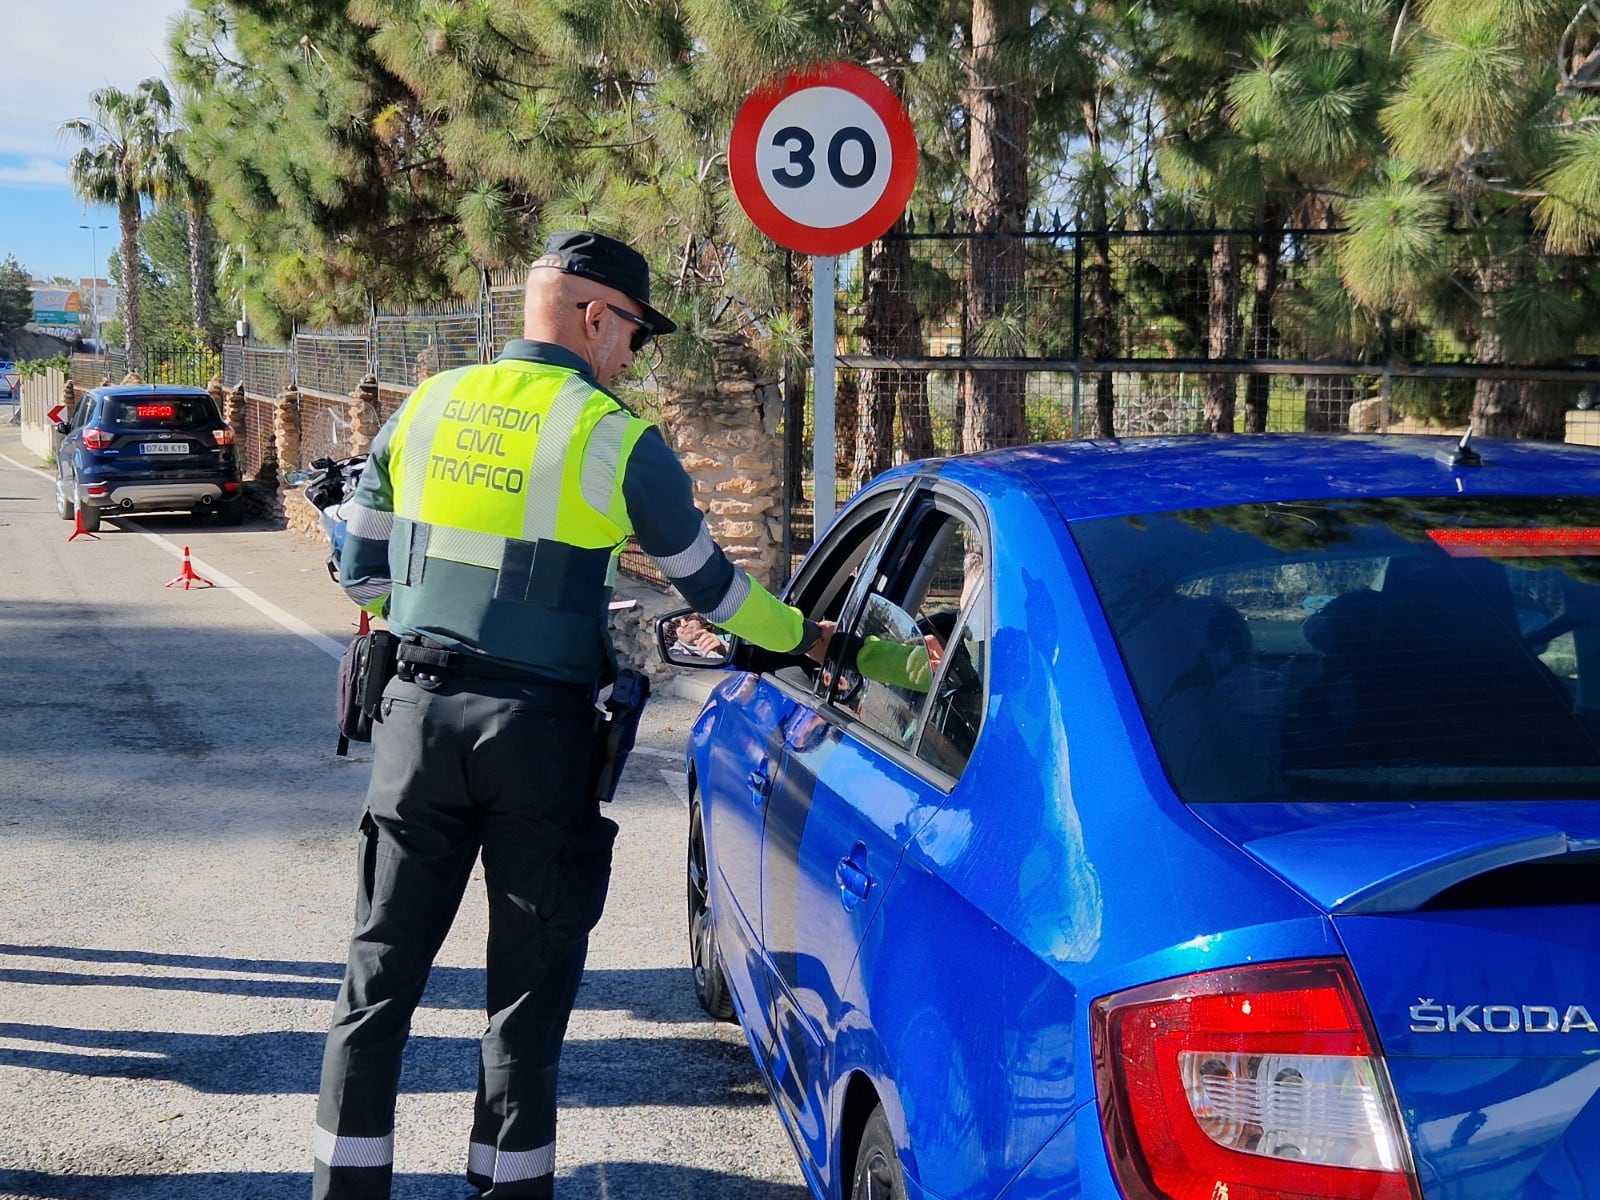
(96, 439)
(1251, 1083)
(223, 436)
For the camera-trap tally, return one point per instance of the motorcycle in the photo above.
(332, 482)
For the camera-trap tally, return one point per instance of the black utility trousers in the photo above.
(462, 766)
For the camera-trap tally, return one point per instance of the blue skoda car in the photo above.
(1214, 820)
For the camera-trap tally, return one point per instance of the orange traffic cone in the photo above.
(187, 576)
(78, 530)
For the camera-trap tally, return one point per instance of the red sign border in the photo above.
(752, 197)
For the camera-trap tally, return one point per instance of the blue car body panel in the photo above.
(944, 943)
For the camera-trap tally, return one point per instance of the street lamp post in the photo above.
(94, 284)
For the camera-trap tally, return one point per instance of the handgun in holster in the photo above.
(617, 726)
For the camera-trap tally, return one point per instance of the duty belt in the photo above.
(430, 658)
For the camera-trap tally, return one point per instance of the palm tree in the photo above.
(175, 182)
(119, 163)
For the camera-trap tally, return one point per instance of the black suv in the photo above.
(147, 448)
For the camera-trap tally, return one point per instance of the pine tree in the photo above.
(16, 298)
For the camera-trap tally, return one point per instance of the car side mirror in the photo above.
(686, 639)
(63, 428)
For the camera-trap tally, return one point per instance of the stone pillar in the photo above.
(286, 431)
(366, 415)
(724, 435)
(69, 405)
(219, 395)
(236, 412)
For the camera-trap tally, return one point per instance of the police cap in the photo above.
(606, 261)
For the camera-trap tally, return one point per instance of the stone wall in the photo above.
(725, 436)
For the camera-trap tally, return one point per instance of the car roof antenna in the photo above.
(1463, 455)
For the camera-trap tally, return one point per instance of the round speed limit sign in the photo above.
(823, 160)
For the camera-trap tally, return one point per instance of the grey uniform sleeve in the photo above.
(672, 531)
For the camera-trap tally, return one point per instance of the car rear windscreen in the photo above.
(1381, 649)
(162, 412)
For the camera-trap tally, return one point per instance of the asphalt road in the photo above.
(176, 889)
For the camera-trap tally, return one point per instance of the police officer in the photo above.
(486, 528)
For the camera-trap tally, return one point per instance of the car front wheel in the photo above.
(64, 506)
(710, 984)
(878, 1175)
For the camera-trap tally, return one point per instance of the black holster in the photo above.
(616, 727)
(367, 665)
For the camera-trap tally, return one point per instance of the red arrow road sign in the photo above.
(54, 414)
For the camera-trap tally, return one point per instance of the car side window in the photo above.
(956, 713)
(826, 581)
(912, 665)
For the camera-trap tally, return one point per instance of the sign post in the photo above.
(823, 160)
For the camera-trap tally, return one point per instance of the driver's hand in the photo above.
(819, 648)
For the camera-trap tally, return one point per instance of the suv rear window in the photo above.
(1383, 649)
(161, 412)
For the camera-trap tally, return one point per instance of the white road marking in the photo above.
(265, 607)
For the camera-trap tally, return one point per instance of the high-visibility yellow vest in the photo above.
(508, 499)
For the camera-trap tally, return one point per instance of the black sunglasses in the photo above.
(641, 335)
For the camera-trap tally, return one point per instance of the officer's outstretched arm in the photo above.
(660, 504)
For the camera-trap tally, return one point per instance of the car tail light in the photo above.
(98, 489)
(230, 486)
(223, 437)
(1251, 1083)
(96, 439)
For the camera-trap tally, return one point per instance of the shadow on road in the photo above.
(646, 993)
(657, 1181)
(686, 1071)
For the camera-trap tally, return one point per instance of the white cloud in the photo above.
(55, 55)
(34, 172)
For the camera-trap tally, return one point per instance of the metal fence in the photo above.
(1083, 333)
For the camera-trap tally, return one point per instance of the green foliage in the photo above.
(32, 367)
(1397, 246)
(16, 300)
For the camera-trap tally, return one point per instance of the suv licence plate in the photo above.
(163, 447)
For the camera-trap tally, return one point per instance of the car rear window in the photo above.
(1382, 649)
(161, 412)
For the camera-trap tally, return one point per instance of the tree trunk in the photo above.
(1100, 330)
(997, 118)
(200, 274)
(1328, 401)
(1497, 404)
(1257, 388)
(1223, 336)
(892, 328)
(132, 338)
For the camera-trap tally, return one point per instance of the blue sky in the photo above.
(55, 56)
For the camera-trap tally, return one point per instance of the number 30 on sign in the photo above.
(823, 159)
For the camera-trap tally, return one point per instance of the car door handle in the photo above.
(759, 783)
(854, 882)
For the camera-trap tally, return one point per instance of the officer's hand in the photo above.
(819, 649)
